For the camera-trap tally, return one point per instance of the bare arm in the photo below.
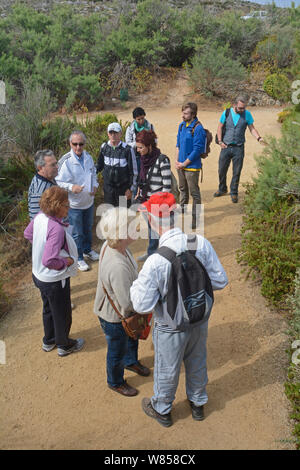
(255, 134)
(219, 134)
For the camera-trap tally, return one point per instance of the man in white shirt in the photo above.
(77, 174)
(172, 345)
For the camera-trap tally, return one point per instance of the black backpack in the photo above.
(224, 126)
(190, 277)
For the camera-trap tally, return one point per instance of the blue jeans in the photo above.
(171, 349)
(122, 351)
(236, 155)
(82, 222)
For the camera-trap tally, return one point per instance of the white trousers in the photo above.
(171, 349)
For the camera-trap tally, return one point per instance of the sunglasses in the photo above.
(80, 144)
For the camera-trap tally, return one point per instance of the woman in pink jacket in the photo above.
(54, 260)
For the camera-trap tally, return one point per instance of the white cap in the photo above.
(114, 126)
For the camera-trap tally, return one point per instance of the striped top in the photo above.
(38, 185)
(159, 176)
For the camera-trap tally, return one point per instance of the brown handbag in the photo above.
(135, 325)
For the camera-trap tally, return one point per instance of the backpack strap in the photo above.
(197, 123)
(167, 253)
(192, 243)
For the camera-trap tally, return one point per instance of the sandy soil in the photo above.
(49, 402)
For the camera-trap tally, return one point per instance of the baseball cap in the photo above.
(160, 205)
(114, 126)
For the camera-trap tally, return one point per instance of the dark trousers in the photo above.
(57, 312)
(236, 155)
(189, 183)
(112, 194)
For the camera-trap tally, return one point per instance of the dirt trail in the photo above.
(49, 402)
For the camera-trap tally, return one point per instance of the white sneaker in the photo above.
(48, 347)
(92, 255)
(82, 266)
(77, 346)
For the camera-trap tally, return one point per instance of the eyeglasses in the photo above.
(80, 144)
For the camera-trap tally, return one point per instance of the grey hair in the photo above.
(243, 98)
(77, 133)
(114, 224)
(39, 158)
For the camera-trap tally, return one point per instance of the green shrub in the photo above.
(292, 386)
(271, 249)
(270, 232)
(278, 87)
(277, 49)
(213, 72)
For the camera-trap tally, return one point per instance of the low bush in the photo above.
(213, 72)
(271, 249)
(270, 232)
(292, 386)
(278, 87)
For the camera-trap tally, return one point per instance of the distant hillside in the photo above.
(108, 6)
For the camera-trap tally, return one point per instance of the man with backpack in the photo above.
(231, 138)
(117, 162)
(177, 283)
(191, 144)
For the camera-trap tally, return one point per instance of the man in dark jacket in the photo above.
(118, 163)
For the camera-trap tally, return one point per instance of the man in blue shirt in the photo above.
(231, 136)
(191, 141)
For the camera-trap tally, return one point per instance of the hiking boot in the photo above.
(220, 193)
(125, 389)
(234, 198)
(92, 255)
(164, 420)
(48, 347)
(143, 257)
(82, 266)
(197, 412)
(139, 369)
(77, 346)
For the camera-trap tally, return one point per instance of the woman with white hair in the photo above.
(117, 272)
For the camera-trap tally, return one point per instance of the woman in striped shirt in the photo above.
(154, 176)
